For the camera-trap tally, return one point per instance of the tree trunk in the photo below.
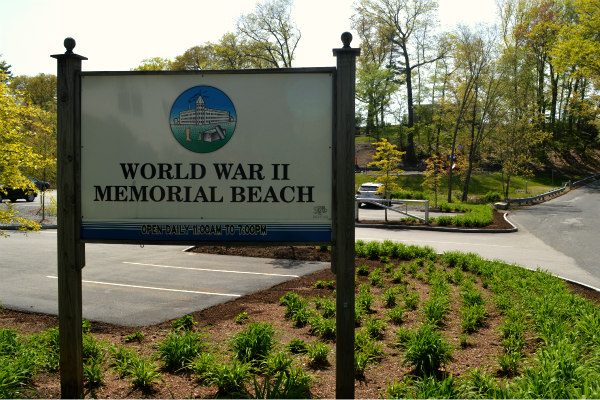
(411, 157)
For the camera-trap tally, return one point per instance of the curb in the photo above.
(440, 228)
(17, 227)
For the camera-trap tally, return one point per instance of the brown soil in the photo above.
(482, 351)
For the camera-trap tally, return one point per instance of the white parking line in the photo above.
(154, 288)
(210, 270)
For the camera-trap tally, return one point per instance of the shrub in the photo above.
(324, 328)
(254, 343)
(143, 373)
(426, 350)
(396, 315)
(363, 270)
(185, 323)
(492, 197)
(230, 379)
(473, 317)
(317, 354)
(376, 278)
(134, 337)
(241, 318)
(179, 348)
(201, 365)
(297, 346)
(375, 328)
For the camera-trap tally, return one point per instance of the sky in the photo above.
(116, 35)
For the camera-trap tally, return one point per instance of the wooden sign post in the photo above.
(70, 249)
(342, 260)
(325, 218)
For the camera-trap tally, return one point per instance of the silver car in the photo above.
(368, 190)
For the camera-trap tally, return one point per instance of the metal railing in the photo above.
(544, 196)
(388, 204)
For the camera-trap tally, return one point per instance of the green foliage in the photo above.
(201, 365)
(325, 284)
(241, 318)
(254, 343)
(179, 348)
(143, 373)
(376, 278)
(230, 379)
(426, 350)
(317, 354)
(324, 328)
(134, 337)
(396, 315)
(297, 346)
(363, 270)
(185, 323)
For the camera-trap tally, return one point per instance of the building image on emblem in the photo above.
(202, 117)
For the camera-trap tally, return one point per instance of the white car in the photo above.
(369, 190)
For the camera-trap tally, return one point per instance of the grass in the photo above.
(480, 184)
(549, 338)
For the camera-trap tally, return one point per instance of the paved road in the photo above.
(560, 236)
(134, 285)
(570, 224)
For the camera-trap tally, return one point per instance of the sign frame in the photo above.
(331, 71)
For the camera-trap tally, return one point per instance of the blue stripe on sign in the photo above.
(177, 231)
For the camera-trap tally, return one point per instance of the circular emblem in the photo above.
(202, 119)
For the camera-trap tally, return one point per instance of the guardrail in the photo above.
(388, 204)
(532, 199)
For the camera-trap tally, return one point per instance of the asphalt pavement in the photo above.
(138, 285)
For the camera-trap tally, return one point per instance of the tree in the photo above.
(387, 159)
(403, 20)
(39, 90)
(434, 173)
(154, 64)
(195, 58)
(20, 123)
(374, 87)
(5, 70)
(270, 33)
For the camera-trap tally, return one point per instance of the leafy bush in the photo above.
(317, 354)
(230, 379)
(254, 343)
(396, 315)
(144, 373)
(376, 278)
(363, 270)
(297, 346)
(426, 350)
(241, 318)
(179, 348)
(492, 197)
(185, 323)
(134, 337)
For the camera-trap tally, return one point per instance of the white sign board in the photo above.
(225, 157)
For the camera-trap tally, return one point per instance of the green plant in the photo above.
(390, 297)
(363, 270)
(134, 337)
(365, 298)
(241, 318)
(144, 373)
(375, 328)
(411, 300)
(254, 343)
(297, 346)
(492, 197)
(121, 357)
(473, 317)
(179, 348)
(325, 284)
(317, 354)
(201, 364)
(230, 379)
(435, 309)
(277, 362)
(93, 373)
(376, 278)
(322, 327)
(426, 350)
(396, 315)
(509, 362)
(326, 305)
(186, 323)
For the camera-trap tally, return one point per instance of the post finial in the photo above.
(69, 45)
(346, 39)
